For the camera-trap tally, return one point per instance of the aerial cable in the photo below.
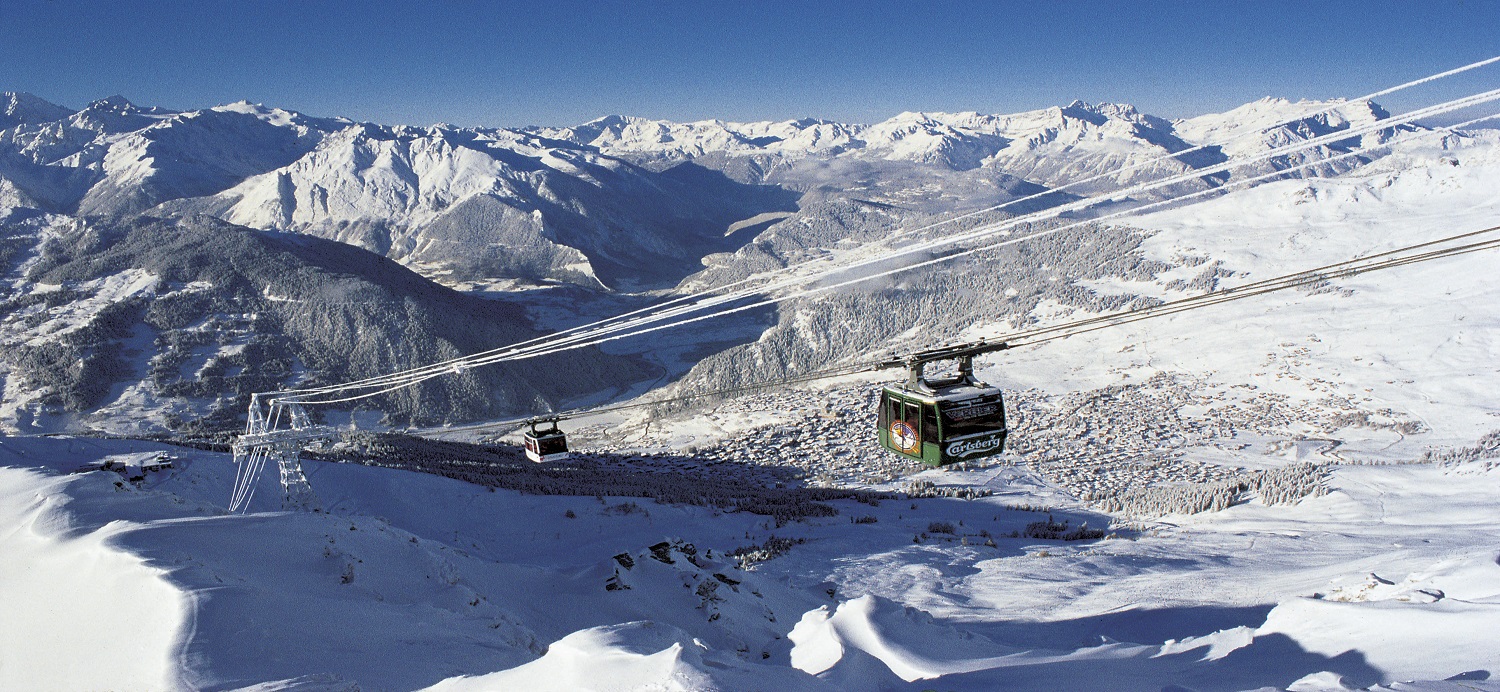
(1308, 144)
(573, 342)
(1013, 241)
(244, 480)
(458, 362)
(1308, 277)
(504, 353)
(816, 375)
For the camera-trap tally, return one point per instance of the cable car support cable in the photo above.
(458, 362)
(1309, 277)
(263, 438)
(399, 380)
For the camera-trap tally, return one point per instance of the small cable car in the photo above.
(941, 421)
(545, 444)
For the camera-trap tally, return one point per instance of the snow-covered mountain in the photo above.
(1259, 125)
(1051, 146)
(146, 325)
(20, 108)
(1270, 122)
(619, 201)
(497, 204)
(115, 158)
(491, 203)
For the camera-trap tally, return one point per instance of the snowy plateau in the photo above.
(1295, 491)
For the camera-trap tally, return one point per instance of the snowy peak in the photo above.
(957, 141)
(641, 137)
(116, 115)
(118, 109)
(114, 104)
(517, 203)
(1098, 113)
(610, 124)
(960, 141)
(1277, 119)
(196, 153)
(362, 174)
(21, 108)
(1101, 134)
(282, 117)
(623, 133)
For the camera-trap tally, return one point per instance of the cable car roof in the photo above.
(946, 394)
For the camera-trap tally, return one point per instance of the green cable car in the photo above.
(941, 421)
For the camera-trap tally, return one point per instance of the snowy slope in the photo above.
(635, 656)
(413, 580)
(1417, 338)
(1251, 597)
(124, 613)
(410, 579)
(152, 324)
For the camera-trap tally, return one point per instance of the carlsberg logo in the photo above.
(965, 448)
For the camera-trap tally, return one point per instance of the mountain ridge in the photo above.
(641, 205)
(619, 202)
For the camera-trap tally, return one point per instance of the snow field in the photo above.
(81, 612)
(413, 580)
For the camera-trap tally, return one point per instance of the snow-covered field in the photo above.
(412, 580)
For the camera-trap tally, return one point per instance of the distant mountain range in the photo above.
(1051, 146)
(136, 283)
(626, 202)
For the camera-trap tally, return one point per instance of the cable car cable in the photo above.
(1305, 277)
(1384, 124)
(963, 253)
(460, 363)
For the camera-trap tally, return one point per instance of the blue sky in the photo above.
(564, 62)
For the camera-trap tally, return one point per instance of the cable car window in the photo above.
(552, 444)
(901, 426)
(930, 422)
(967, 420)
(913, 418)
